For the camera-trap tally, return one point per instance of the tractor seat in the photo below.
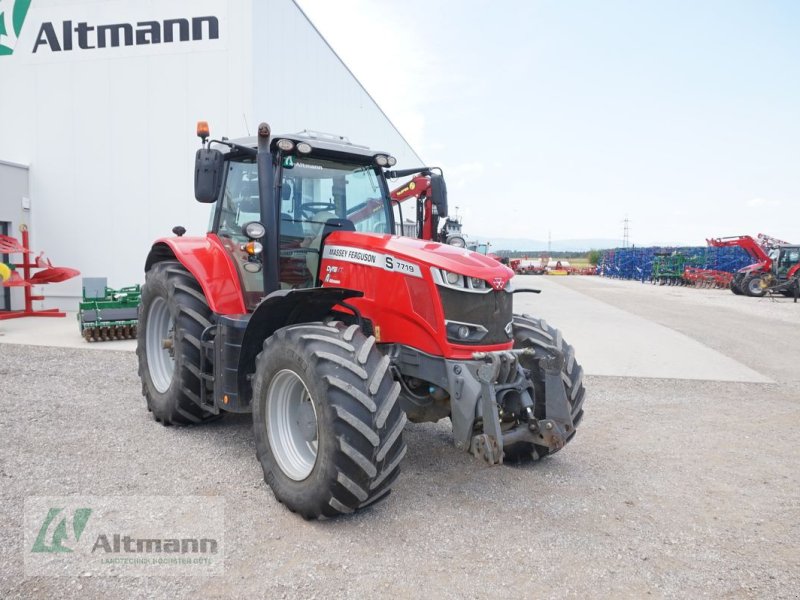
(290, 228)
(332, 223)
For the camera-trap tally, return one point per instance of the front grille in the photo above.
(492, 310)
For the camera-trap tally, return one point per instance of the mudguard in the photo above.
(279, 309)
(209, 262)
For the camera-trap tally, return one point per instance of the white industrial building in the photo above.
(98, 108)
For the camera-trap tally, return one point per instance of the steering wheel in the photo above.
(309, 208)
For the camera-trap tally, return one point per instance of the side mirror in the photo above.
(439, 194)
(207, 175)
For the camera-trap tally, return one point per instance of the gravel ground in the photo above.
(672, 488)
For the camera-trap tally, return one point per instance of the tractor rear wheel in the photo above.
(530, 332)
(736, 282)
(327, 423)
(172, 316)
(752, 286)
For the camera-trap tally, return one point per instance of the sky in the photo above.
(564, 117)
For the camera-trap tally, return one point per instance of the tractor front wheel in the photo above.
(326, 420)
(752, 286)
(172, 316)
(530, 332)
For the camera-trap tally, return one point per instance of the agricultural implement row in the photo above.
(107, 314)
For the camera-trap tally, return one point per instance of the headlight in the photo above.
(304, 148)
(254, 230)
(465, 332)
(391, 160)
(285, 145)
(453, 278)
(457, 241)
(460, 282)
(381, 160)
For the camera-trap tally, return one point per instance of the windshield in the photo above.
(312, 192)
(315, 190)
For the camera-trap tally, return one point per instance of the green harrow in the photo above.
(107, 314)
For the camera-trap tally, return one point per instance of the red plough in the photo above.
(46, 273)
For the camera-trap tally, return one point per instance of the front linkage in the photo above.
(496, 394)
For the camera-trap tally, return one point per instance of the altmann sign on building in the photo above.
(30, 29)
(87, 37)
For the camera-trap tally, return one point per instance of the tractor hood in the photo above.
(427, 254)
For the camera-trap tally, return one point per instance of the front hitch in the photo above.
(479, 389)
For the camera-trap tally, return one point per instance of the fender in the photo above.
(279, 309)
(209, 262)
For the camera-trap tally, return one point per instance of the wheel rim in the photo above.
(160, 344)
(755, 286)
(292, 426)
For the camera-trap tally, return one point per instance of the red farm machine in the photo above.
(301, 307)
(776, 266)
(427, 187)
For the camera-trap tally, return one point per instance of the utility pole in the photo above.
(626, 230)
(549, 241)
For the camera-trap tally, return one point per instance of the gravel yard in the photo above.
(673, 487)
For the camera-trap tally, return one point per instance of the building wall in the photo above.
(13, 191)
(300, 83)
(109, 132)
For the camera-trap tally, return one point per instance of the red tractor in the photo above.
(747, 280)
(763, 275)
(426, 187)
(301, 307)
(784, 276)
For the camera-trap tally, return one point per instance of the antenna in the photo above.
(246, 128)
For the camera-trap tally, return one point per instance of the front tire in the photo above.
(752, 286)
(172, 316)
(530, 332)
(327, 423)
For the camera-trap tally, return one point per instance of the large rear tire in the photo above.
(736, 282)
(172, 316)
(530, 332)
(327, 423)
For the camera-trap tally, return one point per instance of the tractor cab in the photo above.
(320, 183)
(785, 258)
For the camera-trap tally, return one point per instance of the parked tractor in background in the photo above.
(784, 275)
(423, 188)
(301, 306)
(750, 280)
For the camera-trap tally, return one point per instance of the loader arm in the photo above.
(749, 245)
(419, 188)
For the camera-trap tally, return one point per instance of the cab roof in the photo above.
(319, 141)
